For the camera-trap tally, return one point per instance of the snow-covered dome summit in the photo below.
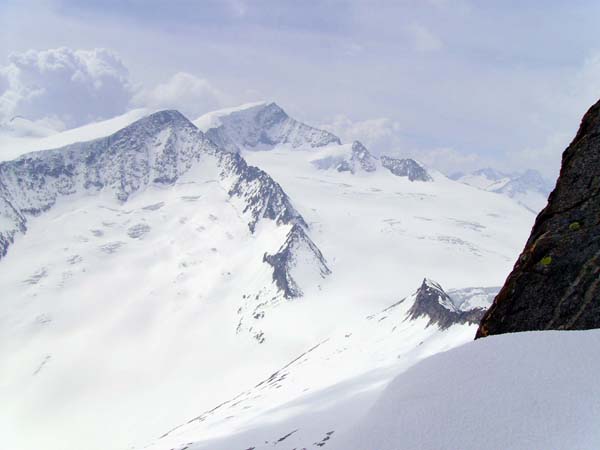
(260, 126)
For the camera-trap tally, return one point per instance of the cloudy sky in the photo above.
(457, 84)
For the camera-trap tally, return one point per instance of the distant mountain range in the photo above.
(528, 188)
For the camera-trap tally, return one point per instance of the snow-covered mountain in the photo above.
(431, 301)
(265, 126)
(528, 188)
(150, 275)
(260, 126)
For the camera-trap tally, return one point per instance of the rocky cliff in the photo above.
(555, 283)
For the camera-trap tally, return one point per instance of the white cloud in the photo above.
(380, 135)
(70, 86)
(448, 160)
(384, 136)
(189, 94)
(545, 157)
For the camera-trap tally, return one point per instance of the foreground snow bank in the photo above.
(514, 391)
(522, 391)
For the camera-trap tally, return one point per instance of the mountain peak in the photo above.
(431, 301)
(260, 126)
(405, 167)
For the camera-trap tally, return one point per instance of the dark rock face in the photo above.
(263, 197)
(555, 283)
(297, 248)
(405, 168)
(431, 301)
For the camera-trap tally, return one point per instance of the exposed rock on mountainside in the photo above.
(555, 283)
(358, 158)
(261, 127)
(405, 168)
(298, 253)
(262, 196)
(431, 301)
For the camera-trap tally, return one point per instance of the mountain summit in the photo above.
(260, 126)
(431, 301)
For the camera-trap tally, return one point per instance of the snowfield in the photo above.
(518, 391)
(184, 296)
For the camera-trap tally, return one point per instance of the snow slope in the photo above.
(134, 264)
(515, 391)
(354, 358)
(14, 144)
(405, 229)
(453, 233)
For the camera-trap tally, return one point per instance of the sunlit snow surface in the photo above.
(119, 322)
(517, 391)
(382, 234)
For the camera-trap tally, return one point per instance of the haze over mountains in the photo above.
(19, 135)
(528, 188)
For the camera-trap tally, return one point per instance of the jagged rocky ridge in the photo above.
(555, 283)
(264, 126)
(432, 302)
(360, 159)
(157, 149)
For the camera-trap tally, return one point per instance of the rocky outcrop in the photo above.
(297, 258)
(262, 197)
(405, 168)
(555, 283)
(432, 302)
